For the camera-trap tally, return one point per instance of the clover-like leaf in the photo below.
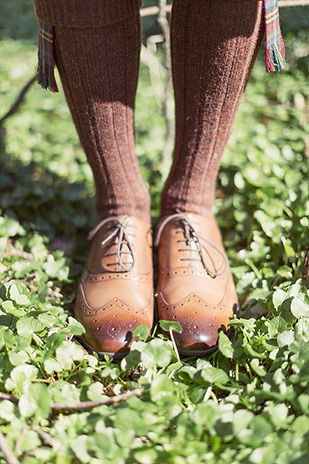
(175, 326)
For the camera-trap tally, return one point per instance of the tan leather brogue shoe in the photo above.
(195, 285)
(115, 294)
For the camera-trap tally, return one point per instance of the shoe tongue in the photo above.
(211, 256)
(99, 260)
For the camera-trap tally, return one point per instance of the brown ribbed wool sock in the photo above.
(214, 45)
(97, 49)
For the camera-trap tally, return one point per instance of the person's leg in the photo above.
(214, 44)
(97, 50)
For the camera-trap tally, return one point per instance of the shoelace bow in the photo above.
(118, 230)
(192, 237)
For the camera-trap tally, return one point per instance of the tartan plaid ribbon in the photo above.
(46, 64)
(275, 52)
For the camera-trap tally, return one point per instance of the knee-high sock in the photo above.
(214, 44)
(97, 49)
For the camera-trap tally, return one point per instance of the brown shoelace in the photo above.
(119, 237)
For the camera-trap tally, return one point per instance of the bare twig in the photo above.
(6, 450)
(307, 265)
(4, 396)
(288, 3)
(18, 100)
(93, 404)
(46, 438)
(153, 10)
(15, 252)
(83, 404)
(164, 25)
(20, 439)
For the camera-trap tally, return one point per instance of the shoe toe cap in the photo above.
(112, 335)
(200, 325)
(198, 336)
(109, 328)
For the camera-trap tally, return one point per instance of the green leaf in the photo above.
(29, 441)
(214, 375)
(161, 387)
(157, 353)
(75, 327)
(175, 326)
(56, 268)
(51, 366)
(80, 448)
(9, 308)
(19, 293)
(278, 414)
(278, 297)
(276, 325)
(258, 369)
(35, 401)
(299, 308)
(17, 358)
(146, 456)
(95, 391)
(241, 420)
(285, 338)
(67, 353)
(27, 326)
(19, 375)
(225, 345)
(141, 331)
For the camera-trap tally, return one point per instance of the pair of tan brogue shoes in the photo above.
(194, 284)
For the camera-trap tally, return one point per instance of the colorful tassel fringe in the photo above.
(275, 52)
(46, 64)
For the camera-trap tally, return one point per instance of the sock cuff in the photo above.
(84, 13)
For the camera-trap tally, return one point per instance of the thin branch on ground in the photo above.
(153, 10)
(4, 396)
(307, 265)
(19, 100)
(6, 450)
(165, 29)
(19, 440)
(83, 404)
(46, 438)
(15, 252)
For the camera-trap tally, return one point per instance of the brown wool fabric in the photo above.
(97, 53)
(214, 45)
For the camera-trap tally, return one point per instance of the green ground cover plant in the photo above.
(248, 403)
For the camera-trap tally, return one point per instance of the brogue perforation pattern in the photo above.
(111, 305)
